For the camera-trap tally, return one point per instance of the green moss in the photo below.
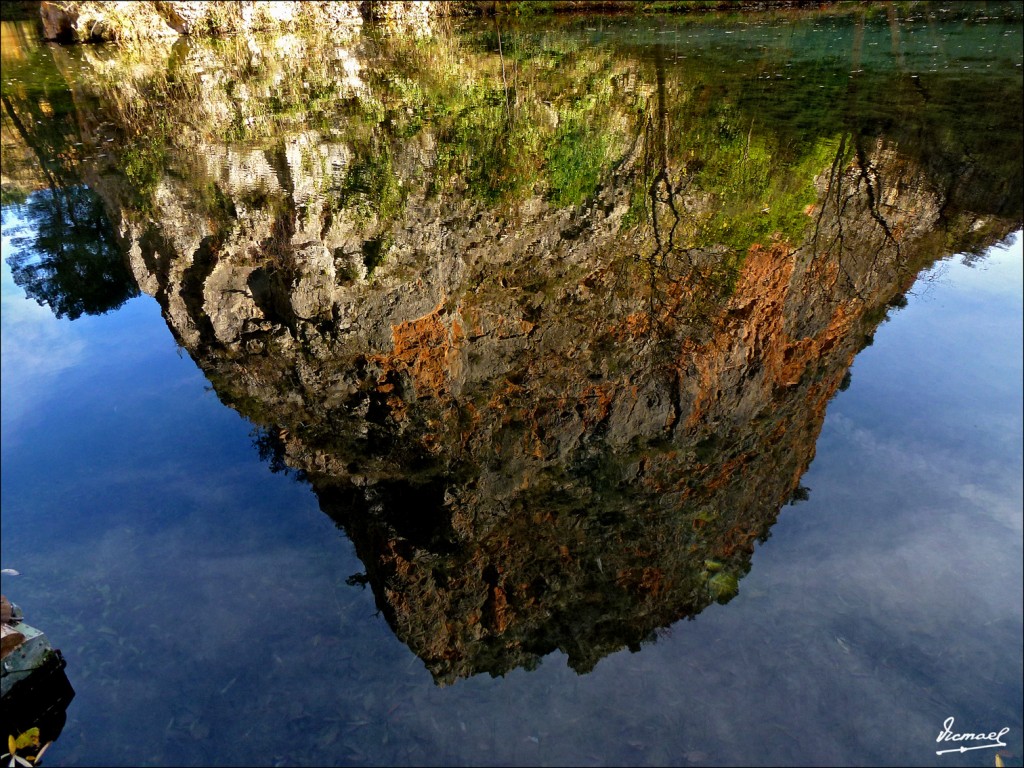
(576, 158)
(370, 187)
(143, 164)
(493, 151)
(636, 214)
(723, 586)
(767, 196)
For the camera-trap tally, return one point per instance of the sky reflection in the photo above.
(35, 347)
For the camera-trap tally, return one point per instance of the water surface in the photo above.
(640, 391)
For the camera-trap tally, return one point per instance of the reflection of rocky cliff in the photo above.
(556, 386)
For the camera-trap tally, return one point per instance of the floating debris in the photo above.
(29, 738)
(34, 690)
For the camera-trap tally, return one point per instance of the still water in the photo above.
(601, 391)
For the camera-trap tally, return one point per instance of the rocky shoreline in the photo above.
(120, 21)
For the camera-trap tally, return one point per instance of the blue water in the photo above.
(207, 613)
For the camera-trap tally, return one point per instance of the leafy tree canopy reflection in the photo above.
(68, 258)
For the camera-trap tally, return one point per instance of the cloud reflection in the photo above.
(35, 347)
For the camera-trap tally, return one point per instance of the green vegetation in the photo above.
(20, 10)
(765, 195)
(524, 115)
(12, 197)
(576, 157)
(216, 21)
(717, 152)
(494, 154)
(143, 164)
(723, 586)
(370, 187)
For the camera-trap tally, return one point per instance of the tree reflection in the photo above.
(70, 261)
(66, 257)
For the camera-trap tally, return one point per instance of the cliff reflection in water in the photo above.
(549, 322)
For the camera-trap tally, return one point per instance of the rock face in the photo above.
(105, 20)
(552, 358)
(122, 20)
